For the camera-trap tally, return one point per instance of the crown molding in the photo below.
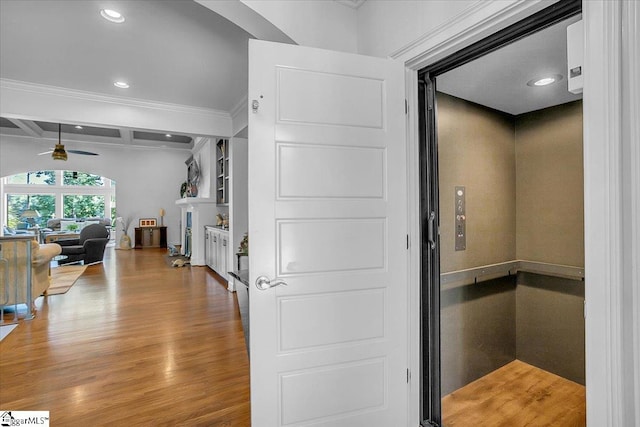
(472, 24)
(94, 141)
(98, 97)
(198, 143)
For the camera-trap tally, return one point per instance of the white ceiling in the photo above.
(499, 79)
(174, 51)
(180, 52)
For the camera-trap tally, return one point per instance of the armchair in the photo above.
(89, 247)
(15, 286)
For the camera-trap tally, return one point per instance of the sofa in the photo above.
(55, 224)
(13, 270)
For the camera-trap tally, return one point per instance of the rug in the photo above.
(6, 330)
(63, 278)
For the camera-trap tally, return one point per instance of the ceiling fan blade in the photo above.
(82, 152)
(46, 152)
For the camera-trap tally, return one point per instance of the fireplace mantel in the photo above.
(194, 201)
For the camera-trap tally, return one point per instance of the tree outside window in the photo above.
(82, 179)
(82, 206)
(24, 190)
(45, 204)
(35, 178)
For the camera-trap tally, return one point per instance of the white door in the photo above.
(327, 215)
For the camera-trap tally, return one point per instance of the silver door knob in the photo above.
(263, 283)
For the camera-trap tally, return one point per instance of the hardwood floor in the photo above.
(134, 342)
(516, 395)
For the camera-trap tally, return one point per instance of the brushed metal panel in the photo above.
(461, 219)
(330, 245)
(348, 317)
(325, 172)
(323, 393)
(329, 99)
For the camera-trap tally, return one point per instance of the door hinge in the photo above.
(407, 241)
(406, 107)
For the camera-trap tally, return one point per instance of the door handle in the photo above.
(263, 283)
(431, 226)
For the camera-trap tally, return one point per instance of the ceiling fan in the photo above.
(59, 152)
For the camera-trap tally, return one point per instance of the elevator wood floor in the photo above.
(134, 342)
(516, 395)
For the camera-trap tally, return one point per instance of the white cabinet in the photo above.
(217, 250)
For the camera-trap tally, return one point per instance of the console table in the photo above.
(151, 237)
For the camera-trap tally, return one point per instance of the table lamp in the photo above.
(30, 216)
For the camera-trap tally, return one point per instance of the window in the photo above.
(82, 179)
(17, 204)
(33, 178)
(82, 206)
(55, 194)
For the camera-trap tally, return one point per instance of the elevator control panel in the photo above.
(460, 219)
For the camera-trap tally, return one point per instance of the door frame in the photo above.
(430, 282)
(608, 132)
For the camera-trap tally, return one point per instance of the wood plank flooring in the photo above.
(134, 342)
(516, 395)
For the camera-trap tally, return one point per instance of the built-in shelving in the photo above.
(222, 172)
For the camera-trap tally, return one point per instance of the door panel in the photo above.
(327, 214)
(309, 246)
(296, 87)
(300, 330)
(322, 172)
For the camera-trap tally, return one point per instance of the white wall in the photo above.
(315, 23)
(146, 180)
(386, 26)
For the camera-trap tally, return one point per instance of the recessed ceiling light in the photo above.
(544, 81)
(121, 85)
(78, 127)
(168, 135)
(112, 16)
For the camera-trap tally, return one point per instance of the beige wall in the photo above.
(476, 150)
(549, 183)
(524, 184)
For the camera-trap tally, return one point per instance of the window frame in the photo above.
(59, 190)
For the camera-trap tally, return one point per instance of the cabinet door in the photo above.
(207, 247)
(146, 237)
(219, 253)
(155, 237)
(214, 249)
(223, 255)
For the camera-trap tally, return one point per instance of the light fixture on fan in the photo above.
(58, 152)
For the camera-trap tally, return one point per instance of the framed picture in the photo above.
(148, 222)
